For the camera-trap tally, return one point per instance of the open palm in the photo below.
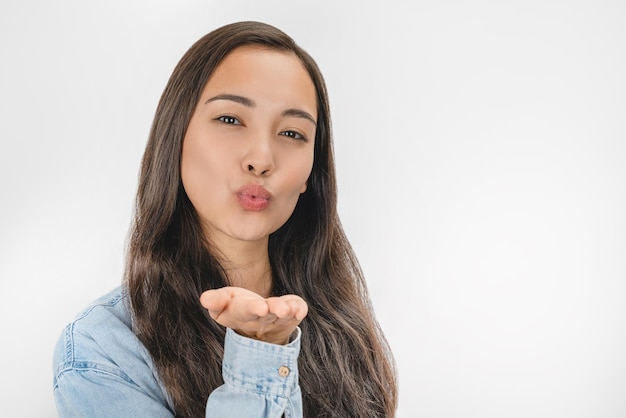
(271, 319)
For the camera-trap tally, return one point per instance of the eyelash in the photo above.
(294, 135)
(231, 120)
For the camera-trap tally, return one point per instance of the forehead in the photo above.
(264, 74)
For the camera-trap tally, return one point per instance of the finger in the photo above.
(279, 307)
(215, 300)
(248, 308)
(288, 309)
(235, 303)
(298, 307)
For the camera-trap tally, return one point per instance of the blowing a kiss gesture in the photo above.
(271, 320)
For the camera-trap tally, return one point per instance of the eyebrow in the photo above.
(234, 98)
(298, 113)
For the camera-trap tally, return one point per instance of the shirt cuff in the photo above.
(261, 367)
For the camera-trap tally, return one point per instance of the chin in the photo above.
(254, 230)
(251, 237)
(250, 234)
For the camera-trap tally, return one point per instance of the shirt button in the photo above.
(283, 371)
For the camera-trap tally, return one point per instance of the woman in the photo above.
(242, 295)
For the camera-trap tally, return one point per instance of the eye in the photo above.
(229, 120)
(294, 135)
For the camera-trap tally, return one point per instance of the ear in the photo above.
(303, 189)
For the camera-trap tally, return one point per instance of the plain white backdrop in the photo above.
(481, 155)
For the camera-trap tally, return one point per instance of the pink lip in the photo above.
(253, 197)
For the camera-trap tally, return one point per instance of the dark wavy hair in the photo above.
(346, 367)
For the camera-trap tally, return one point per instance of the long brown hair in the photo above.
(346, 367)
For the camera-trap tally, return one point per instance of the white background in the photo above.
(481, 153)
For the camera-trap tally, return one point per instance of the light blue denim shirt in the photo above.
(101, 369)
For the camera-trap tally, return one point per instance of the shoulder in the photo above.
(112, 308)
(98, 354)
(89, 338)
(101, 339)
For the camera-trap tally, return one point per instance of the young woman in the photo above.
(242, 296)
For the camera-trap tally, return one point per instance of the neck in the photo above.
(246, 264)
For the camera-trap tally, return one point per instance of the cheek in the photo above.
(191, 172)
(197, 168)
(301, 174)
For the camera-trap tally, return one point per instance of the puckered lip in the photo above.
(253, 197)
(254, 191)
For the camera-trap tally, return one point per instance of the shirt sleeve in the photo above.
(102, 372)
(260, 379)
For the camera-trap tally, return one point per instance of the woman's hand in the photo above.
(271, 320)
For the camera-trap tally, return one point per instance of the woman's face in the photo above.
(248, 150)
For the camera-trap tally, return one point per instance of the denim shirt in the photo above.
(101, 369)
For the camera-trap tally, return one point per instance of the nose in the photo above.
(259, 158)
